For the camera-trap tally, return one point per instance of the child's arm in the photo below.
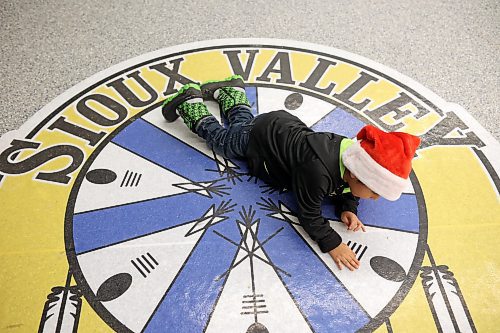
(310, 190)
(320, 231)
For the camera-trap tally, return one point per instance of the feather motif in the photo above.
(61, 312)
(445, 299)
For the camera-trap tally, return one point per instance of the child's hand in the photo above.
(351, 221)
(343, 255)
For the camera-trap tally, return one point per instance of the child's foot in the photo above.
(209, 88)
(187, 103)
(229, 92)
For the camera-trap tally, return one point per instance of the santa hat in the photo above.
(382, 161)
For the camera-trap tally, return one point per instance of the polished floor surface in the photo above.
(91, 242)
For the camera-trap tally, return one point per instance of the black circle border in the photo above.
(115, 324)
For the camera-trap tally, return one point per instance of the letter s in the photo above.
(34, 161)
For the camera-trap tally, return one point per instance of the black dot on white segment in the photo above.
(388, 268)
(101, 176)
(294, 101)
(257, 328)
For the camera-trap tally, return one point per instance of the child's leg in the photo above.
(188, 103)
(235, 107)
(230, 142)
(230, 94)
(239, 114)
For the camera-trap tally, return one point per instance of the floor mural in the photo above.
(115, 220)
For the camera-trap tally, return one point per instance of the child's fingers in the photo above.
(355, 262)
(347, 264)
(363, 227)
(349, 224)
(354, 224)
(339, 265)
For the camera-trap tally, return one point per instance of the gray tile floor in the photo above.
(451, 47)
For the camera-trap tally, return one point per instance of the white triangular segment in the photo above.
(248, 241)
(218, 219)
(285, 214)
(242, 227)
(372, 291)
(190, 186)
(222, 164)
(269, 292)
(136, 179)
(207, 218)
(135, 306)
(310, 112)
(199, 188)
(254, 228)
(279, 216)
(179, 130)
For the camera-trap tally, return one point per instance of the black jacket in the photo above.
(284, 152)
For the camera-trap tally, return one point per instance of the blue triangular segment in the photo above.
(191, 298)
(323, 301)
(339, 122)
(104, 227)
(400, 215)
(252, 98)
(162, 148)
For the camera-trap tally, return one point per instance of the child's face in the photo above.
(359, 189)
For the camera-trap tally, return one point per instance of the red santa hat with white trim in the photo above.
(381, 160)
